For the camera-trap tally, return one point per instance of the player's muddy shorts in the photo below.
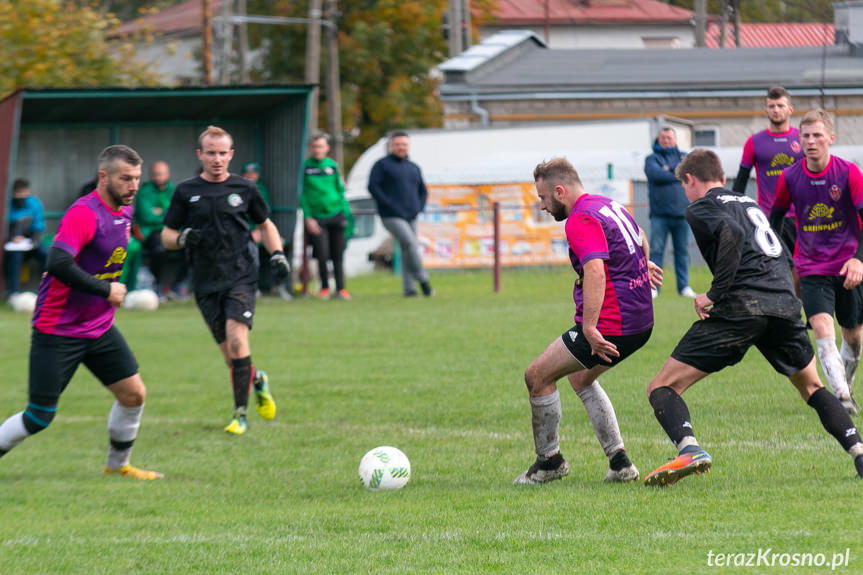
(236, 303)
(715, 343)
(579, 347)
(825, 294)
(54, 359)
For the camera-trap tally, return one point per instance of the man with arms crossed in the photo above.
(751, 301)
(826, 192)
(770, 151)
(613, 318)
(73, 322)
(209, 216)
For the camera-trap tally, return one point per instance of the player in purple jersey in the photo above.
(613, 318)
(770, 151)
(827, 194)
(74, 318)
(751, 302)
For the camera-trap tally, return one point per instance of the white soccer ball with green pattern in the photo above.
(384, 467)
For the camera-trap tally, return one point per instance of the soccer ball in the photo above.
(141, 299)
(384, 468)
(23, 301)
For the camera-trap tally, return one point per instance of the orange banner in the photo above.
(465, 238)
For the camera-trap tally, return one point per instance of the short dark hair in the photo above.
(119, 153)
(398, 134)
(20, 184)
(701, 164)
(777, 92)
(555, 171)
(320, 135)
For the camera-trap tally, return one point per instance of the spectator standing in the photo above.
(397, 185)
(326, 212)
(667, 205)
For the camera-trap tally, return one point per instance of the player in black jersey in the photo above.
(209, 216)
(750, 302)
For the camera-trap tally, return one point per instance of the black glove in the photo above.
(189, 237)
(279, 265)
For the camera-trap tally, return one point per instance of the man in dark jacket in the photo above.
(667, 204)
(397, 186)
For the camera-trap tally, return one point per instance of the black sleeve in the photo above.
(777, 219)
(175, 217)
(741, 180)
(729, 240)
(259, 211)
(61, 264)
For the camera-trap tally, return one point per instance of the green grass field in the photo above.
(442, 380)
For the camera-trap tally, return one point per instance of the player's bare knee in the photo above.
(131, 396)
(535, 380)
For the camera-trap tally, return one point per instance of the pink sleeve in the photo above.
(748, 159)
(855, 184)
(783, 198)
(76, 230)
(586, 238)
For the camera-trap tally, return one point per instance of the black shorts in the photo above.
(825, 294)
(715, 343)
(236, 303)
(579, 347)
(54, 359)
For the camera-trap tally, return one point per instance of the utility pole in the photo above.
(455, 28)
(244, 42)
(723, 23)
(736, 5)
(334, 95)
(207, 56)
(700, 23)
(467, 41)
(227, 36)
(313, 58)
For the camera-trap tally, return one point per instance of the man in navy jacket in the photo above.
(667, 204)
(397, 186)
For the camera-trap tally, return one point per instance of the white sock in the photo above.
(13, 432)
(123, 423)
(602, 417)
(545, 419)
(851, 359)
(831, 364)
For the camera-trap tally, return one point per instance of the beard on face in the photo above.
(117, 195)
(557, 210)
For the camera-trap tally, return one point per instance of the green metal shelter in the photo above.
(52, 137)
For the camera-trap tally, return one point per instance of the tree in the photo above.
(772, 10)
(57, 43)
(388, 51)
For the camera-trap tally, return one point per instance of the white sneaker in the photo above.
(624, 475)
(653, 293)
(543, 472)
(687, 292)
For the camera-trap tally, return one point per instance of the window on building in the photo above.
(660, 41)
(706, 136)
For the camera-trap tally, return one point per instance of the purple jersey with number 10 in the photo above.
(828, 226)
(600, 228)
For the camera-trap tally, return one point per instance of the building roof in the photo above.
(563, 12)
(773, 35)
(530, 68)
(185, 18)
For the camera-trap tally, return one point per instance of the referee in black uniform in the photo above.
(209, 216)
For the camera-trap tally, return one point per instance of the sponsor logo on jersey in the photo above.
(725, 198)
(117, 256)
(817, 182)
(820, 210)
(247, 314)
(780, 161)
(234, 200)
(795, 147)
(119, 221)
(194, 199)
(835, 193)
(329, 171)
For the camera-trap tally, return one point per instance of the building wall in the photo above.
(735, 117)
(610, 37)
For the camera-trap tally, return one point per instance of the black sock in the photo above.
(241, 378)
(834, 418)
(671, 412)
(858, 465)
(619, 461)
(2, 453)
